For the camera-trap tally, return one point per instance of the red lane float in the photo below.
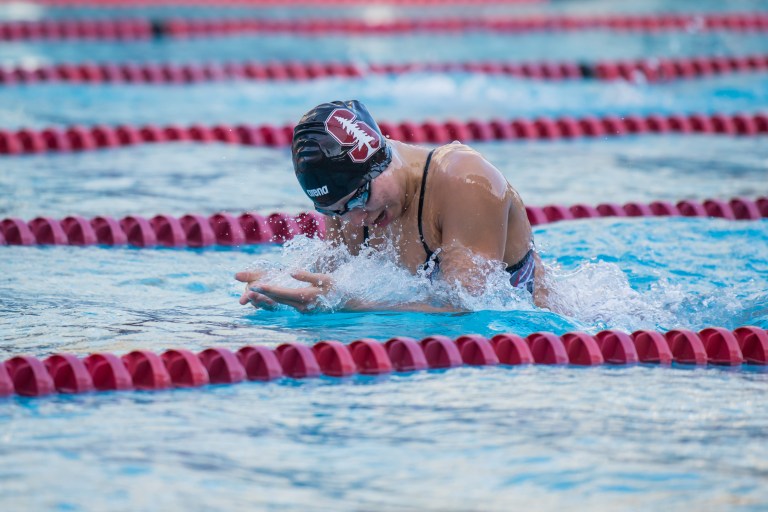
(147, 370)
(168, 231)
(735, 209)
(512, 349)
(617, 347)
(79, 231)
(108, 372)
(370, 357)
(260, 363)
(138, 231)
(334, 359)
(753, 343)
(28, 141)
(686, 347)
(582, 349)
(228, 230)
(185, 369)
(440, 352)
(222, 365)
(142, 29)
(199, 230)
(547, 348)
(652, 70)
(16, 232)
(250, 228)
(164, 230)
(109, 231)
(406, 354)
(30, 376)
(298, 361)
(722, 346)
(144, 370)
(652, 347)
(69, 374)
(476, 350)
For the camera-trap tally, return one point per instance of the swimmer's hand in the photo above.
(302, 299)
(251, 279)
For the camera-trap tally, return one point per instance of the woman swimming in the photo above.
(440, 208)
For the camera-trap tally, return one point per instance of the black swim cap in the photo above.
(337, 147)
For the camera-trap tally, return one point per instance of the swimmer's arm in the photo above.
(305, 299)
(474, 225)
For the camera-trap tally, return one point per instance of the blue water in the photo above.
(408, 97)
(402, 48)
(539, 438)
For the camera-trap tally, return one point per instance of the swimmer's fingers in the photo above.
(290, 296)
(248, 296)
(272, 302)
(248, 276)
(248, 286)
(322, 281)
(258, 300)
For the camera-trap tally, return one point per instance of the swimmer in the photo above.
(438, 207)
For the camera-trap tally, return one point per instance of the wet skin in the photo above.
(469, 209)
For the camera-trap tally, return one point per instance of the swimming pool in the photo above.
(469, 438)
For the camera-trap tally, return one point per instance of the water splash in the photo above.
(375, 276)
(599, 295)
(594, 295)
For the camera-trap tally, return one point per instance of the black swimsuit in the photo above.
(521, 273)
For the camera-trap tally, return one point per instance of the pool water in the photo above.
(491, 438)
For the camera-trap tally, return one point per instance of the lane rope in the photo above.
(142, 29)
(273, 3)
(80, 138)
(225, 229)
(181, 368)
(648, 70)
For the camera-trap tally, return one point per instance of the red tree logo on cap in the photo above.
(342, 126)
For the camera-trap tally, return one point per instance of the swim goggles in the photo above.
(356, 201)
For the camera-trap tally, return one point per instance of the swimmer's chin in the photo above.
(382, 220)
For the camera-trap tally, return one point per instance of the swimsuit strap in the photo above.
(366, 235)
(421, 204)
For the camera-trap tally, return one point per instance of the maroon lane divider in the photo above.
(181, 368)
(162, 230)
(78, 138)
(650, 70)
(142, 29)
(251, 228)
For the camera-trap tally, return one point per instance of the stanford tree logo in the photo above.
(342, 126)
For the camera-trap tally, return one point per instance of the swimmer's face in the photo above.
(358, 199)
(363, 207)
(377, 210)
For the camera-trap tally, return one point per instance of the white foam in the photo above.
(595, 295)
(376, 277)
(599, 296)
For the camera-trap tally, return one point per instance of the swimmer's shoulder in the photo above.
(458, 165)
